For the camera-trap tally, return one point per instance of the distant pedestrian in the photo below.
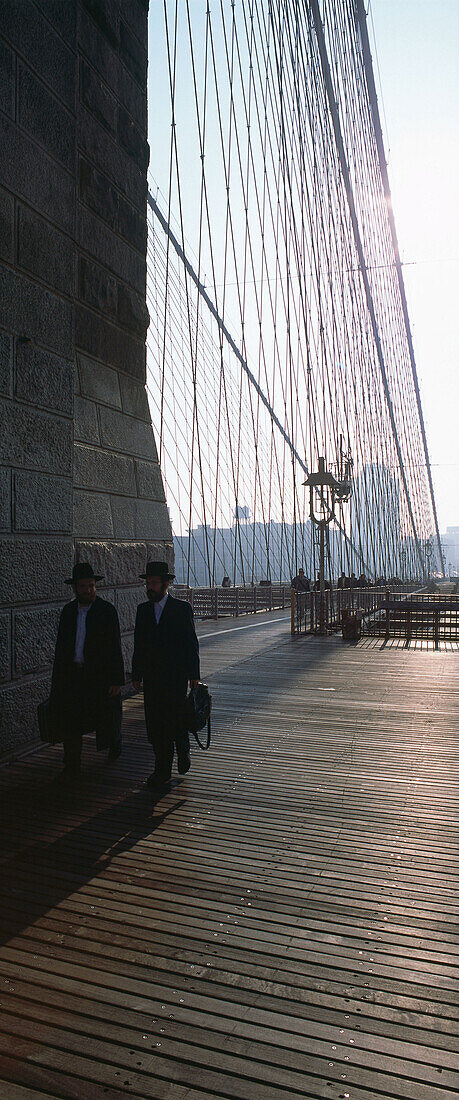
(166, 659)
(88, 672)
(301, 583)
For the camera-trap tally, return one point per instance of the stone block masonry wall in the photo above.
(79, 476)
(120, 514)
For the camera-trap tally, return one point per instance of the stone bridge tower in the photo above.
(79, 475)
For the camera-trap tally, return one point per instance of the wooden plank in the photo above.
(286, 915)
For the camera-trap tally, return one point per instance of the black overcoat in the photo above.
(103, 662)
(168, 649)
(166, 656)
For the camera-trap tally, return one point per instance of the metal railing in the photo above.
(307, 612)
(382, 612)
(429, 616)
(215, 603)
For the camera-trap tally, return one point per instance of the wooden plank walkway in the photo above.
(283, 923)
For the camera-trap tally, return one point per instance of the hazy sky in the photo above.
(417, 51)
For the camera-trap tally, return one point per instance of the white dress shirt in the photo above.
(80, 636)
(159, 607)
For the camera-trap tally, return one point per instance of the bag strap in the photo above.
(206, 746)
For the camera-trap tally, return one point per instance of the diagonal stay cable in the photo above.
(360, 252)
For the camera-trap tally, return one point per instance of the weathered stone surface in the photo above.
(97, 469)
(106, 14)
(6, 363)
(43, 117)
(85, 423)
(97, 192)
(108, 64)
(18, 715)
(34, 439)
(113, 161)
(33, 37)
(98, 240)
(139, 519)
(49, 188)
(97, 98)
(162, 551)
(6, 80)
(34, 565)
(149, 480)
(5, 499)
(132, 225)
(92, 517)
(44, 379)
(45, 252)
(121, 563)
(6, 225)
(126, 434)
(135, 15)
(132, 311)
(127, 601)
(46, 128)
(34, 633)
(99, 382)
(26, 309)
(5, 645)
(103, 340)
(134, 399)
(63, 18)
(42, 503)
(133, 54)
(132, 140)
(97, 287)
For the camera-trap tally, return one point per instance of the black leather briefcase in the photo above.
(46, 724)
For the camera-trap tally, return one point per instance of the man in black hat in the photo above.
(166, 658)
(88, 671)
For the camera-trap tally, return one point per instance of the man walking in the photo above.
(166, 659)
(88, 671)
(301, 583)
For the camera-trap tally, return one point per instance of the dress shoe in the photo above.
(158, 782)
(114, 753)
(183, 763)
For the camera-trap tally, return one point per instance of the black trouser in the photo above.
(165, 722)
(86, 708)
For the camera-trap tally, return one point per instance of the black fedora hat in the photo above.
(83, 571)
(158, 569)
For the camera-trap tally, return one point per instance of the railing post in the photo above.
(237, 602)
(254, 600)
(437, 628)
(292, 612)
(387, 616)
(409, 626)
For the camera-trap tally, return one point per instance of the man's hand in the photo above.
(137, 684)
(114, 690)
(194, 684)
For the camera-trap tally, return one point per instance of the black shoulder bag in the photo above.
(198, 710)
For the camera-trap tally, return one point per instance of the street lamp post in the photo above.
(330, 491)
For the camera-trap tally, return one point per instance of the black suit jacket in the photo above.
(167, 651)
(103, 658)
